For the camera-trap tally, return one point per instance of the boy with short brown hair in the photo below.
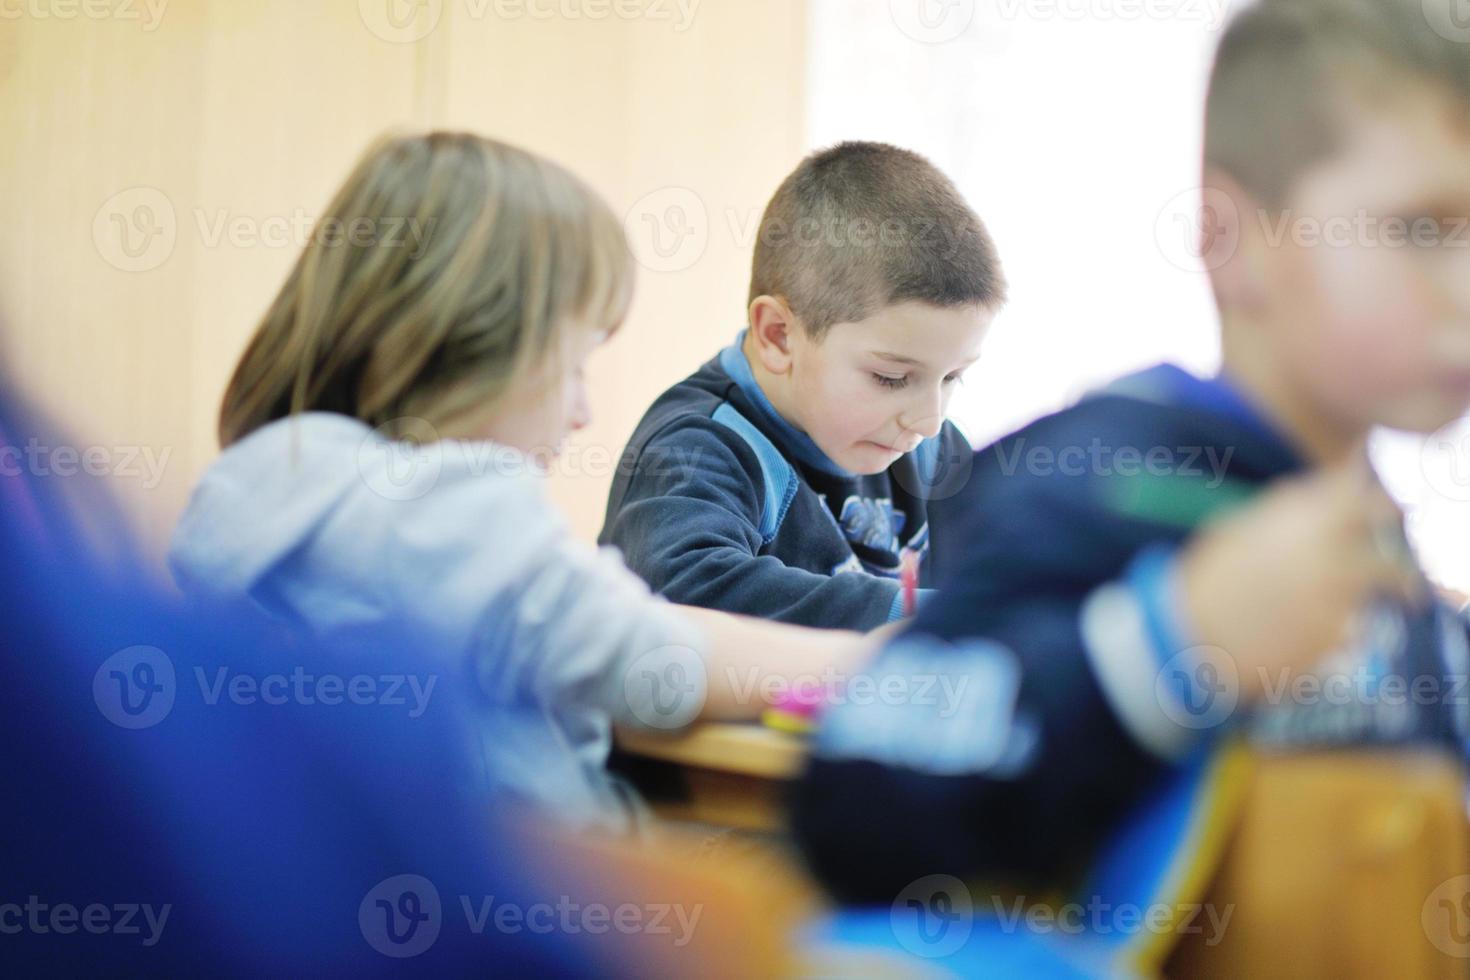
(1115, 622)
(791, 475)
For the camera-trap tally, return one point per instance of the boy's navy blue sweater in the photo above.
(720, 502)
(1072, 689)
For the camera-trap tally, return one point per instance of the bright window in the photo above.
(1074, 128)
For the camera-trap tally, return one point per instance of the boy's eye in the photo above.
(954, 379)
(888, 381)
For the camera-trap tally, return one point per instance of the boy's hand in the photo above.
(888, 631)
(1279, 583)
(1454, 597)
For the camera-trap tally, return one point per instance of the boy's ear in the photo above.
(771, 327)
(1231, 244)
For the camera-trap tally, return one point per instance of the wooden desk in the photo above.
(731, 775)
(1342, 864)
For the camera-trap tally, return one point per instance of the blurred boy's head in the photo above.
(1337, 162)
(872, 286)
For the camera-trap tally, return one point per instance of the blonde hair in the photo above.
(445, 266)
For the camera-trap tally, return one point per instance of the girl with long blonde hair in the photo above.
(384, 437)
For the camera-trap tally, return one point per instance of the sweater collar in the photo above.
(1169, 384)
(734, 363)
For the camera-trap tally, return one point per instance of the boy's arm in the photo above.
(1016, 762)
(688, 520)
(1072, 686)
(555, 624)
(1003, 754)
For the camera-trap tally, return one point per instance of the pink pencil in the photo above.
(908, 577)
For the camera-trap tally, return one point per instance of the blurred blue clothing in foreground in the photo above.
(212, 797)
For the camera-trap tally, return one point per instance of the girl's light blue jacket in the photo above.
(325, 523)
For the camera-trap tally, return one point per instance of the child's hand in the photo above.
(1279, 583)
(1454, 597)
(888, 631)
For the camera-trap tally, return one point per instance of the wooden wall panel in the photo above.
(225, 125)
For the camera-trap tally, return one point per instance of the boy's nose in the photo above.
(925, 427)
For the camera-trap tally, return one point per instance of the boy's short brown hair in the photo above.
(1287, 70)
(860, 226)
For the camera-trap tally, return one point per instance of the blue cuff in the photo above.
(1153, 578)
(1145, 657)
(895, 608)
